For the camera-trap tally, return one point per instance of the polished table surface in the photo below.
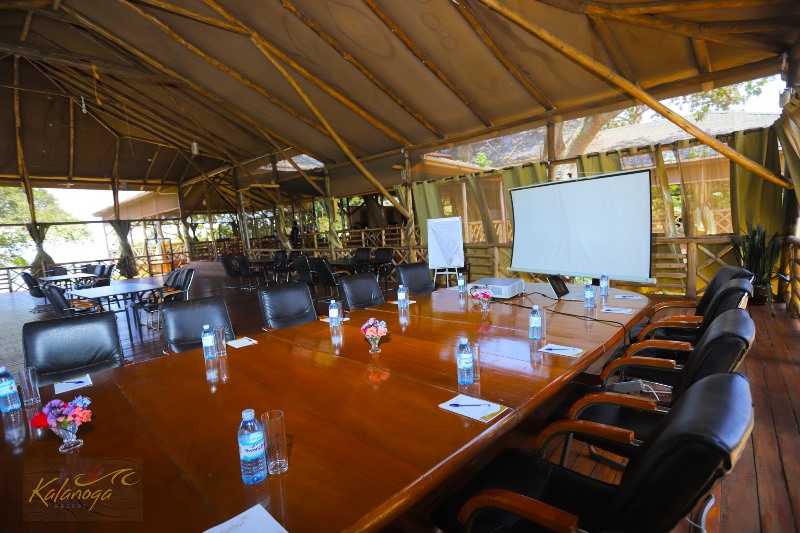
(67, 277)
(366, 436)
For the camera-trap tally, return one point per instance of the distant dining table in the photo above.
(354, 265)
(367, 436)
(129, 290)
(67, 279)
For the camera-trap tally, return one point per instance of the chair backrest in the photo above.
(61, 307)
(362, 254)
(104, 276)
(33, 285)
(183, 321)
(361, 291)
(734, 294)
(303, 269)
(58, 270)
(244, 266)
(170, 281)
(281, 255)
(416, 277)
(695, 444)
(229, 267)
(287, 304)
(721, 349)
(186, 282)
(384, 255)
(87, 268)
(62, 349)
(322, 268)
(723, 275)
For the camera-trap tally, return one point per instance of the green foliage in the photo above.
(482, 160)
(15, 240)
(757, 254)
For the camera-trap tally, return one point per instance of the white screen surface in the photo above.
(584, 227)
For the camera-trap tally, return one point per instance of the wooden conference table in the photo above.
(366, 436)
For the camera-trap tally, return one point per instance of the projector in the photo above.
(500, 287)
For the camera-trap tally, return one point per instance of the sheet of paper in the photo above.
(72, 384)
(397, 303)
(617, 310)
(558, 349)
(327, 319)
(254, 520)
(244, 341)
(474, 408)
(629, 297)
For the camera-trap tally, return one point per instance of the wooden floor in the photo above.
(762, 493)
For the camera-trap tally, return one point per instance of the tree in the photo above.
(15, 240)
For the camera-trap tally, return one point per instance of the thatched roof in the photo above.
(388, 77)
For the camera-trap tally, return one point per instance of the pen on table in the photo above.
(557, 349)
(469, 404)
(74, 382)
(248, 339)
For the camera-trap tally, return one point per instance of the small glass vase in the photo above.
(69, 436)
(485, 305)
(373, 344)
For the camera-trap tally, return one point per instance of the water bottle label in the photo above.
(460, 282)
(333, 313)
(536, 322)
(208, 340)
(9, 387)
(252, 450)
(604, 283)
(588, 293)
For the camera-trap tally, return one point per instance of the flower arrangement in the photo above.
(374, 328)
(58, 414)
(480, 293)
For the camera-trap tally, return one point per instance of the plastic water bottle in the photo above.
(334, 315)
(252, 449)
(464, 362)
(402, 296)
(462, 283)
(209, 353)
(9, 397)
(535, 324)
(588, 296)
(604, 284)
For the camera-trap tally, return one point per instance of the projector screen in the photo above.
(584, 227)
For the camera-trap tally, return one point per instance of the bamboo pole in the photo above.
(642, 8)
(621, 83)
(366, 173)
(71, 169)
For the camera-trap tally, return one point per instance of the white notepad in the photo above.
(558, 349)
(72, 384)
(617, 310)
(254, 520)
(474, 408)
(629, 297)
(244, 341)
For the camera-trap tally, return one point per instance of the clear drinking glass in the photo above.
(275, 432)
(29, 384)
(219, 341)
(476, 360)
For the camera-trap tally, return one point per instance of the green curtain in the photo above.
(595, 164)
(483, 209)
(787, 128)
(126, 264)
(42, 260)
(428, 204)
(753, 198)
(400, 194)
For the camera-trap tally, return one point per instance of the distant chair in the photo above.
(384, 265)
(362, 255)
(247, 273)
(416, 277)
(36, 291)
(361, 291)
(287, 304)
(232, 271)
(175, 289)
(327, 276)
(303, 272)
(281, 266)
(64, 349)
(105, 277)
(57, 270)
(64, 307)
(183, 321)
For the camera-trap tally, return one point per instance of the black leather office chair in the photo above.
(287, 304)
(302, 270)
(67, 348)
(64, 307)
(183, 321)
(384, 261)
(416, 277)
(722, 349)
(697, 443)
(232, 271)
(280, 269)
(361, 291)
(327, 277)
(36, 291)
(247, 273)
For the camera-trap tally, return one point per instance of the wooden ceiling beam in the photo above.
(264, 131)
(152, 162)
(83, 62)
(419, 54)
(615, 80)
(328, 89)
(687, 29)
(513, 68)
(186, 13)
(24, 4)
(650, 8)
(752, 26)
(347, 56)
(702, 60)
(612, 47)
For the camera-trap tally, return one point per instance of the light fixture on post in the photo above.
(195, 148)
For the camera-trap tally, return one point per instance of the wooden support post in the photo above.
(691, 269)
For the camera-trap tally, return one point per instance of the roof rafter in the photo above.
(617, 56)
(645, 8)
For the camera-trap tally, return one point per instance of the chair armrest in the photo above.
(616, 398)
(541, 513)
(670, 304)
(657, 344)
(683, 322)
(584, 427)
(649, 362)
